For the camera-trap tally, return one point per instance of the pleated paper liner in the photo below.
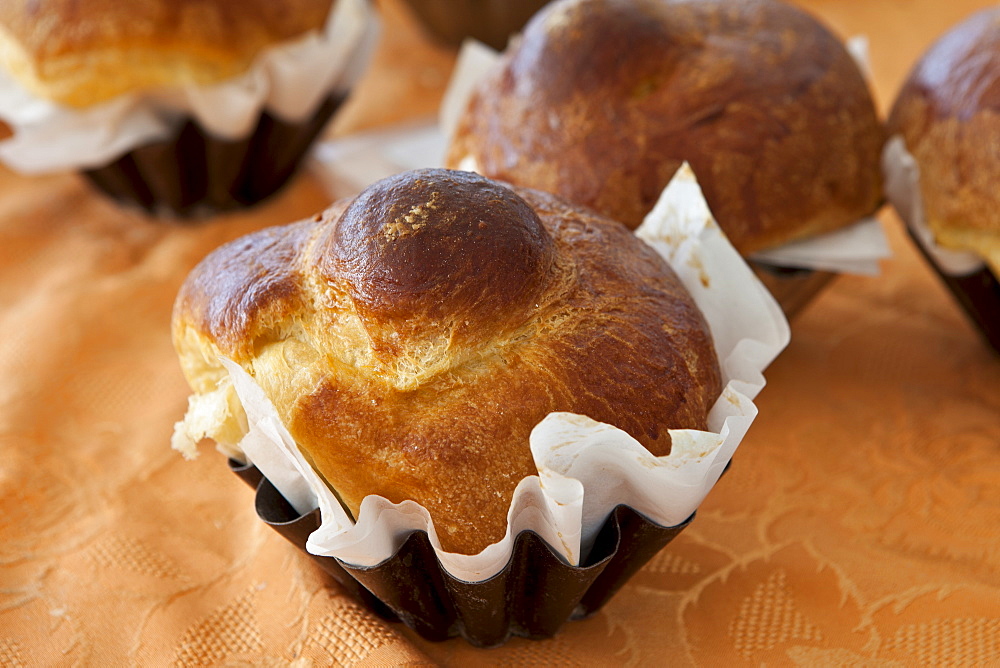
(978, 293)
(194, 174)
(793, 288)
(532, 597)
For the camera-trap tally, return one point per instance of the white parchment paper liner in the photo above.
(585, 468)
(902, 188)
(290, 80)
(856, 249)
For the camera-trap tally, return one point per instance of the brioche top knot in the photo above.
(436, 253)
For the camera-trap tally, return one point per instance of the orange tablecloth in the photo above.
(860, 523)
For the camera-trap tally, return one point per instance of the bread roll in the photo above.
(948, 113)
(602, 100)
(82, 52)
(413, 337)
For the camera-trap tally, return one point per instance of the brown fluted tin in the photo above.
(793, 288)
(978, 293)
(532, 597)
(492, 22)
(193, 174)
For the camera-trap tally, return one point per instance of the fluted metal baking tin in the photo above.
(977, 293)
(193, 174)
(532, 597)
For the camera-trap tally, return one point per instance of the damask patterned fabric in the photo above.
(859, 524)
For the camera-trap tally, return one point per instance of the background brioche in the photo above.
(942, 163)
(183, 108)
(948, 113)
(761, 99)
(83, 53)
(411, 339)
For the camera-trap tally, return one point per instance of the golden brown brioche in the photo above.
(413, 337)
(602, 100)
(79, 53)
(948, 113)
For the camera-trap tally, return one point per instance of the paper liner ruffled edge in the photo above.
(531, 597)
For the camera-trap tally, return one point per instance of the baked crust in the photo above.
(412, 339)
(82, 53)
(948, 113)
(602, 100)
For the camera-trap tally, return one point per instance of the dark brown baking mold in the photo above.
(193, 174)
(978, 293)
(532, 597)
(492, 22)
(793, 288)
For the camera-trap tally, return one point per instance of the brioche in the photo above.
(948, 113)
(602, 100)
(81, 53)
(412, 338)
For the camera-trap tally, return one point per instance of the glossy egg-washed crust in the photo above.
(412, 338)
(602, 100)
(948, 112)
(82, 52)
